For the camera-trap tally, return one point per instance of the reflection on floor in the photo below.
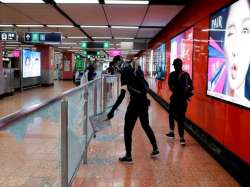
(30, 148)
(32, 96)
(177, 166)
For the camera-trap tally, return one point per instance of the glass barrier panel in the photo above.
(30, 149)
(76, 131)
(111, 90)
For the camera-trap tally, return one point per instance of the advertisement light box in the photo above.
(31, 64)
(182, 47)
(228, 75)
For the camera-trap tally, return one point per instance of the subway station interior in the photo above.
(58, 88)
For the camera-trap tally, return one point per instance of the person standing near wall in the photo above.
(181, 86)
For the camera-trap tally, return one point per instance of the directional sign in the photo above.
(94, 45)
(8, 36)
(43, 37)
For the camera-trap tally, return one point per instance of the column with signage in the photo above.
(47, 52)
(47, 64)
(68, 61)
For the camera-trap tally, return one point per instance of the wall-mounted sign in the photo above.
(94, 45)
(8, 36)
(43, 37)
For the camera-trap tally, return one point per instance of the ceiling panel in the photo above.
(147, 32)
(87, 14)
(125, 14)
(10, 16)
(124, 32)
(159, 15)
(37, 13)
(98, 31)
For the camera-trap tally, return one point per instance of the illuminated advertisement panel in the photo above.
(182, 47)
(229, 56)
(31, 64)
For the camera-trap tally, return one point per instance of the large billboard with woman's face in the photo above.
(229, 54)
(182, 47)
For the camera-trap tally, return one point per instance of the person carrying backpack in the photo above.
(181, 86)
(138, 106)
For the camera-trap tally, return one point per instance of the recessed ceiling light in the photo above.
(101, 37)
(35, 26)
(63, 47)
(76, 37)
(22, 1)
(126, 2)
(78, 1)
(68, 43)
(124, 27)
(94, 26)
(120, 38)
(6, 25)
(60, 26)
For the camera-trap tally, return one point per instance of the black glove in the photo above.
(110, 115)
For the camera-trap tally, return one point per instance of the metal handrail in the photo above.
(11, 118)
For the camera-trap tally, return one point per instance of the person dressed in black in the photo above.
(139, 72)
(181, 86)
(137, 107)
(91, 72)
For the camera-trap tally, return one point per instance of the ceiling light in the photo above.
(68, 43)
(78, 1)
(63, 47)
(126, 2)
(102, 37)
(124, 27)
(120, 38)
(76, 37)
(6, 25)
(22, 1)
(30, 25)
(12, 42)
(60, 26)
(94, 26)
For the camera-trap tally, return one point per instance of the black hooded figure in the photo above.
(137, 107)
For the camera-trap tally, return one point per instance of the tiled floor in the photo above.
(32, 96)
(30, 157)
(188, 166)
(30, 148)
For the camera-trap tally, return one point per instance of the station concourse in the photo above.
(59, 80)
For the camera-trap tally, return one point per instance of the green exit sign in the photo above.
(83, 45)
(106, 45)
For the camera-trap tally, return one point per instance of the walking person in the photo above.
(137, 107)
(181, 86)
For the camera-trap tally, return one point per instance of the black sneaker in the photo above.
(182, 141)
(155, 153)
(170, 135)
(126, 159)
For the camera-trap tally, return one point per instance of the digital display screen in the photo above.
(31, 63)
(182, 47)
(161, 62)
(229, 56)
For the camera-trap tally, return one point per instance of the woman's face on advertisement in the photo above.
(237, 43)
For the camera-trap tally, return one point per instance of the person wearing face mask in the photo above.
(236, 48)
(138, 106)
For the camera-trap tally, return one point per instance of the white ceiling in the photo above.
(149, 18)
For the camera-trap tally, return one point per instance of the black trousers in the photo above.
(177, 110)
(135, 110)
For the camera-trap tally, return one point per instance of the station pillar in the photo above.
(67, 65)
(47, 64)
